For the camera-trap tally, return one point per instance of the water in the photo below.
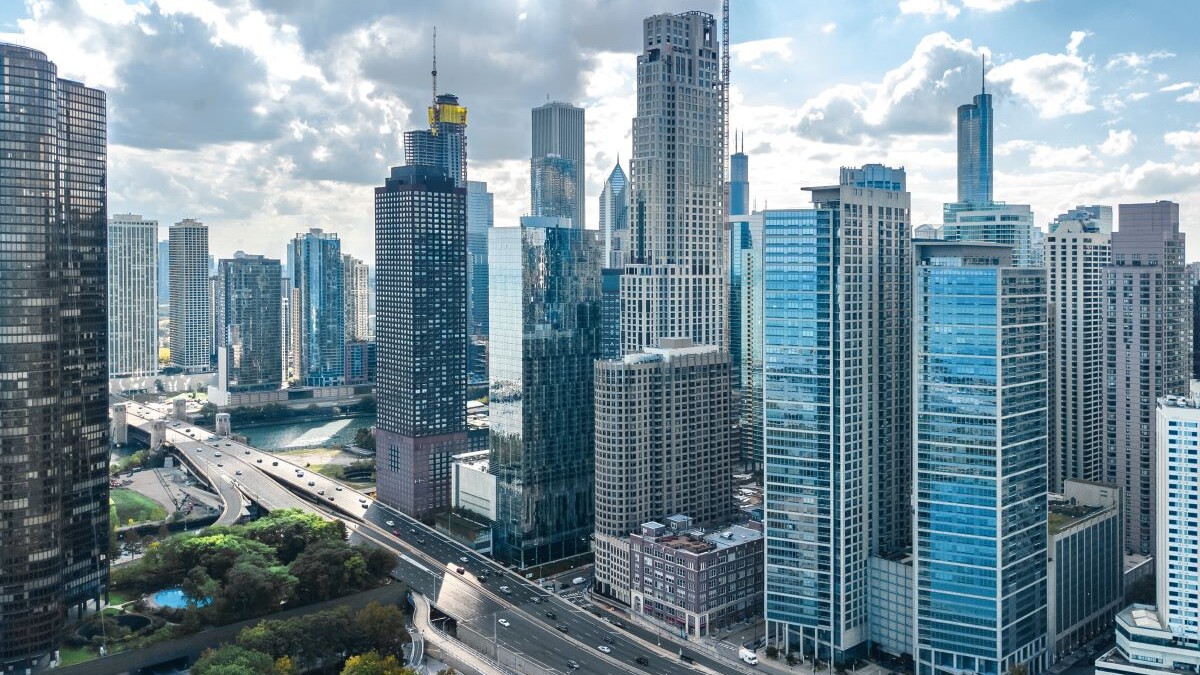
(176, 598)
(326, 434)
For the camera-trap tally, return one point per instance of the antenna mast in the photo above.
(436, 116)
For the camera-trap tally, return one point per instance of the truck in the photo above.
(748, 656)
(579, 580)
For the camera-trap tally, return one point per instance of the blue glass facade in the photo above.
(975, 150)
(980, 429)
(317, 272)
(745, 331)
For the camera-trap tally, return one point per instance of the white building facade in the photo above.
(132, 296)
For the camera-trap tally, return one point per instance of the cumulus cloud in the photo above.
(1184, 141)
(929, 8)
(1135, 61)
(1054, 84)
(760, 54)
(1118, 142)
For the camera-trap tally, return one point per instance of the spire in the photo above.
(983, 73)
(433, 119)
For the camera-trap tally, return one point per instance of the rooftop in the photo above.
(1063, 515)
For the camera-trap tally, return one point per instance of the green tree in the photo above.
(772, 652)
(250, 590)
(1018, 669)
(290, 531)
(234, 660)
(327, 570)
(372, 663)
(381, 628)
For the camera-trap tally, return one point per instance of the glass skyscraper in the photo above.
(480, 216)
(975, 150)
(836, 374)
(421, 337)
(54, 426)
(556, 161)
(980, 419)
(555, 187)
(251, 353)
(444, 143)
(545, 335)
(317, 273)
(614, 216)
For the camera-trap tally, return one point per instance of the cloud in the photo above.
(992, 5)
(1118, 142)
(1135, 61)
(829, 28)
(1054, 84)
(1184, 141)
(1192, 97)
(760, 54)
(1043, 156)
(1178, 86)
(929, 8)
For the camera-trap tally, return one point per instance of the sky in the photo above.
(263, 118)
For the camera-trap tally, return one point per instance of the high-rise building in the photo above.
(837, 405)
(1193, 273)
(614, 217)
(975, 149)
(317, 274)
(444, 143)
(191, 297)
(545, 335)
(132, 296)
(610, 313)
(1148, 325)
(1077, 251)
(647, 468)
(164, 272)
(741, 246)
(738, 202)
(480, 214)
(421, 336)
(980, 430)
(354, 278)
(250, 353)
(556, 162)
(746, 333)
(54, 506)
(675, 273)
(285, 329)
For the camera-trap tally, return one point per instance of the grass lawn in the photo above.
(118, 598)
(69, 656)
(131, 505)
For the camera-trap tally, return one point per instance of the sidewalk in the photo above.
(452, 651)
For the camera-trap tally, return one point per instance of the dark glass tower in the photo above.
(421, 337)
(557, 186)
(444, 143)
(975, 150)
(53, 356)
(317, 274)
(545, 334)
(249, 326)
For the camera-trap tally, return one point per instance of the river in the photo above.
(326, 434)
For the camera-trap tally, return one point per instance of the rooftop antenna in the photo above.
(983, 73)
(436, 116)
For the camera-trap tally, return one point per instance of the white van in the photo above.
(748, 656)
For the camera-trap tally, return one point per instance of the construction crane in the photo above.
(436, 115)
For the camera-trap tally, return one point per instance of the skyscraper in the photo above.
(250, 354)
(354, 277)
(132, 296)
(980, 430)
(610, 313)
(746, 333)
(1077, 251)
(741, 245)
(421, 333)
(556, 162)
(739, 184)
(975, 148)
(317, 274)
(444, 143)
(164, 272)
(1148, 332)
(191, 301)
(54, 360)
(836, 373)
(545, 336)
(480, 214)
(675, 272)
(614, 217)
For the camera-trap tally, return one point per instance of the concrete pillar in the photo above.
(158, 434)
(179, 409)
(223, 424)
(120, 424)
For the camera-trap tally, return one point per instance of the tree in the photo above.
(327, 570)
(290, 531)
(233, 660)
(447, 671)
(372, 663)
(1018, 669)
(381, 629)
(772, 652)
(250, 589)
(791, 659)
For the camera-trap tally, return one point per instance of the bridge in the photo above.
(540, 633)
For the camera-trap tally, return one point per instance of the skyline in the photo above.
(1081, 119)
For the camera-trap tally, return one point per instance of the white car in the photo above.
(462, 559)
(503, 622)
(391, 523)
(605, 648)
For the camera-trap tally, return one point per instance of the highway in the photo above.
(429, 563)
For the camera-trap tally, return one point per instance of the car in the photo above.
(391, 523)
(216, 454)
(503, 622)
(299, 473)
(321, 492)
(421, 541)
(573, 665)
(608, 640)
(504, 589)
(199, 449)
(366, 506)
(338, 489)
(229, 444)
(460, 570)
(220, 465)
(238, 472)
(412, 530)
(330, 498)
(396, 532)
(362, 499)
(244, 453)
(481, 579)
(562, 627)
(551, 615)
(642, 661)
(311, 483)
(604, 648)
(619, 624)
(464, 559)
(259, 460)
(274, 463)
(535, 600)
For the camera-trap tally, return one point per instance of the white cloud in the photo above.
(1043, 156)
(992, 5)
(1118, 142)
(761, 54)
(1184, 141)
(1193, 97)
(929, 8)
(829, 28)
(1136, 61)
(1178, 86)
(1054, 84)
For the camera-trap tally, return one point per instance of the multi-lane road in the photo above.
(540, 626)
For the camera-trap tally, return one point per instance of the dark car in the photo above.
(421, 541)
(551, 615)
(608, 640)
(642, 661)
(460, 570)
(573, 665)
(562, 627)
(619, 624)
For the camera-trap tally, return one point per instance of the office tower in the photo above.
(675, 272)
(317, 274)
(738, 202)
(1165, 638)
(164, 272)
(614, 217)
(54, 360)
(980, 430)
(132, 296)
(555, 190)
(741, 246)
(746, 333)
(556, 167)
(295, 333)
(354, 277)
(285, 328)
(836, 373)
(421, 337)
(610, 313)
(1077, 251)
(975, 148)
(360, 362)
(545, 335)
(646, 467)
(1193, 273)
(250, 355)
(444, 143)
(1147, 321)
(215, 305)
(480, 212)
(191, 297)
